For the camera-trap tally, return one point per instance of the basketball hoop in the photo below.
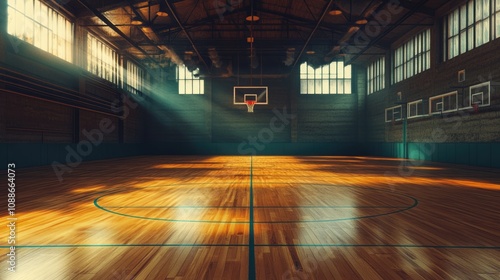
(250, 104)
(250, 96)
(475, 107)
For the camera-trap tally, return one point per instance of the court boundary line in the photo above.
(260, 207)
(252, 273)
(339, 245)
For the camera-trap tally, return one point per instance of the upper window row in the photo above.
(471, 25)
(413, 57)
(38, 24)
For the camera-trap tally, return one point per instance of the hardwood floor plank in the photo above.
(187, 217)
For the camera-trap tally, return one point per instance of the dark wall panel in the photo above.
(213, 118)
(474, 154)
(36, 129)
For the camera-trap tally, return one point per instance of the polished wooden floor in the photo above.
(242, 217)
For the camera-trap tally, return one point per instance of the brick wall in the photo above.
(464, 137)
(212, 117)
(481, 64)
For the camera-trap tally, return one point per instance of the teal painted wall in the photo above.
(201, 148)
(473, 154)
(38, 154)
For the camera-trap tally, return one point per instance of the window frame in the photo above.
(49, 29)
(375, 76)
(135, 76)
(188, 82)
(461, 26)
(412, 58)
(335, 76)
(111, 70)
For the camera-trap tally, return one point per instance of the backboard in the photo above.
(243, 94)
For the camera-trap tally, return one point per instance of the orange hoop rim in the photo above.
(250, 104)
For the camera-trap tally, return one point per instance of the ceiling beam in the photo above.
(320, 19)
(385, 32)
(176, 18)
(269, 43)
(420, 10)
(288, 17)
(114, 28)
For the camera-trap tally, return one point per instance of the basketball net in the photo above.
(475, 107)
(250, 104)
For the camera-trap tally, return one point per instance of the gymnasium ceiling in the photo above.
(212, 34)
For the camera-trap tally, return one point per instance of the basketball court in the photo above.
(273, 217)
(249, 139)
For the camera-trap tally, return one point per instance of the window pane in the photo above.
(486, 8)
(12, 18)
(182, 86)
(486, 30)
(318, 86)
(479, 34)
(340, 73)
(497, 24)
(325, 86)
(333, 86)
(310, 72)
(470, 8)
(202, 86)
(463, 17)
(189, 86)
(428, 60)
(479, 10)
(455, 45)
(348, 71)
(340, 86)
(347, 86)
(470, 38)
(303, 86)
(463, 42)
(303, 70)
(310, 87)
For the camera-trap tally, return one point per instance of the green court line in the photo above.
(417, 246)
(256, 207)
(96, 204)
(415, 203)
(251, 210)
(126, 245)
(251, 236)
(384, 245)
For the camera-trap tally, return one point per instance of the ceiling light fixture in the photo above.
(136, 21)
(335, 12)
(361, 21)
(252, 18)
(162, 13)
(310, 52)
